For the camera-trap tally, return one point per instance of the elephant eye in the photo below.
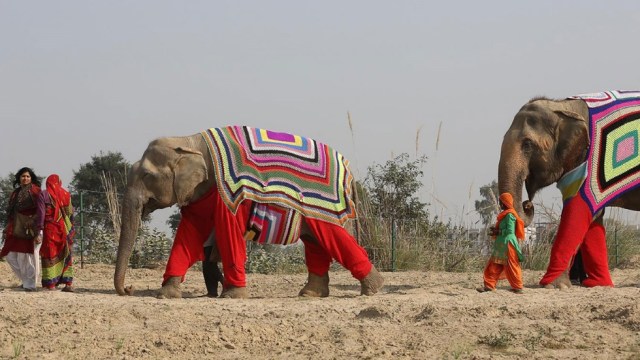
(527, 145)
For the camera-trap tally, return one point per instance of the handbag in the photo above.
(24, 227)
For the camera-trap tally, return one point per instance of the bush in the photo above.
(275, 259)
(150, 250)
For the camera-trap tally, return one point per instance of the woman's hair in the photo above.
(34, 178)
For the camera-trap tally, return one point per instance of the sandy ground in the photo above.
(418, 315)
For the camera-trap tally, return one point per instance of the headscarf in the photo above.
(59, 196)
(507, 200)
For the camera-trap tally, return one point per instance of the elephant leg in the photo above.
(318, 262)
(342, 247)
(577, 274)
(211, 272)
(233, 292)
(595, 258)
(562, 282)
(574, 223)
(229, 232)
(171, 289)
(188, 246)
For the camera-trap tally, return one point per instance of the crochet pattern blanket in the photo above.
(613, 161)
(291, 171)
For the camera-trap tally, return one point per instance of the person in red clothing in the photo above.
(56, 250)
(23, 234)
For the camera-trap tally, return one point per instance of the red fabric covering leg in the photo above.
(316, 258)
(574, 223)
(195, 225)
(594, 257)
(341, 246)
(232, 246)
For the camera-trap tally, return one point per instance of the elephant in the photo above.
(588, 145)
(236, 181)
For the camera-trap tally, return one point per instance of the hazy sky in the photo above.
(80, 77)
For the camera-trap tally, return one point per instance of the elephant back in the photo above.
(287, 170)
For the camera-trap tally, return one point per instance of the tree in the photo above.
(6, 188)
(488, 207)
(174, 220)
(88, 180)
(392, 188)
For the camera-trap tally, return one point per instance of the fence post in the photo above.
(393, 244)
(615, 237)
(81, 229)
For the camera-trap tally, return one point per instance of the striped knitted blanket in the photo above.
(268, 224)
(277, 168)
(613, 161)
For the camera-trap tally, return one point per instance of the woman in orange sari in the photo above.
(507, 255)
(58, 236)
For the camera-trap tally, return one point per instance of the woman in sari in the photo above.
(23, 234)
(58, 236)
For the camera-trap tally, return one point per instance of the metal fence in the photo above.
(404, 244)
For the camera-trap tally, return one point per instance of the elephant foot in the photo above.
(562, 282)
(316, 286)
(171, 289)
(232, 292)
(372, 283)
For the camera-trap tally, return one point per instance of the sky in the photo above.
(442, 79)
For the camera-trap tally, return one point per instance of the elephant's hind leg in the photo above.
(372, 283)
(171, 289)
(232, 292)
(316, 286)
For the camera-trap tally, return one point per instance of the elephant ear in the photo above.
(572, 137)
(190, 170)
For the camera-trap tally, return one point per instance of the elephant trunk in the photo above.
(131, 218)
(512, 173)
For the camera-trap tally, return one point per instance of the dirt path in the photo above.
(417, 315)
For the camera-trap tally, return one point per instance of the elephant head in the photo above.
(547, 138)
(171, 171)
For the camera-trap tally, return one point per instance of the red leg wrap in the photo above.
(594, 257)
(574, 223)
(341, 246)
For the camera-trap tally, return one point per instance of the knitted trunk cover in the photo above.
(281, 169)
(613, 161)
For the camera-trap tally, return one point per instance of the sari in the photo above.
(57, 242)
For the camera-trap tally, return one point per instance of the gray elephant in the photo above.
(246, 183)
(588, 145)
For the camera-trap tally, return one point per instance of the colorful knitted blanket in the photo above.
(613, 160)
(268, 224)
(277, 168)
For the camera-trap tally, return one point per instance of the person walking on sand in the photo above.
(23, 236)
(56, 251)
(507, 255)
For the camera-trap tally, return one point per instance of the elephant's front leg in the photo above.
(562, 282)
(574, 223)
(171, 288)
(232, 247)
